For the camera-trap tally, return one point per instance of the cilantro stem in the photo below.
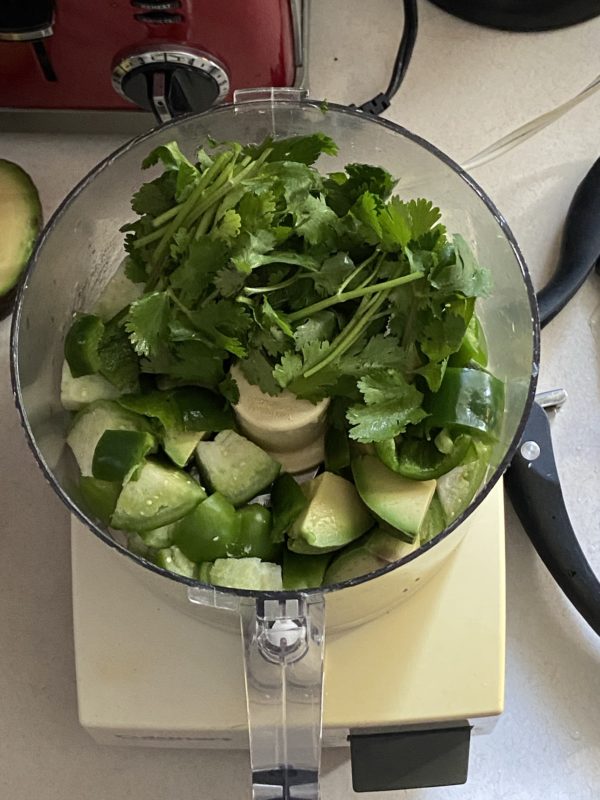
(348, 339)
(353, 295)
(356, 271)
(250, 290)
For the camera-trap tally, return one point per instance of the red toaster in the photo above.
(165, 56)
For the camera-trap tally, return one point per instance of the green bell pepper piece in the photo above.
(469, 400)
(287, 503)
(203, 410)
(255, 535)
(119, 453)
(81, 345)
(419, 459)
(99, 497)
(210, 531)
(303, 571)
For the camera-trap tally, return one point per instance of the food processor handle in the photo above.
(580, 248)
(533, 486)
(283, 642)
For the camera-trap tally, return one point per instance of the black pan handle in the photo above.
(535, 492)
(580, 248)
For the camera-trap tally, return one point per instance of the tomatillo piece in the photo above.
(469, 400)
(210, 531)
(288, 501)
(419, 459)
(119, 453)
(82, 343)
(255, 535)
(173, 560)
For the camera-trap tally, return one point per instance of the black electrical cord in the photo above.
(381, 102)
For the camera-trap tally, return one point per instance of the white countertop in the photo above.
(465, 87)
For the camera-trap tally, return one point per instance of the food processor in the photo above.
(378, 627)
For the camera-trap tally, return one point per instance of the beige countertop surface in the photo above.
(465, 87)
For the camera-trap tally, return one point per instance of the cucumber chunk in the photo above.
(235, 467)
(92, 422)
(172, 559)
(246, 573)
(159, 496)
(75, 393)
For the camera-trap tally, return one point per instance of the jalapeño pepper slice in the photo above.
(81, 345)
(210, 531)
(473, 348)
(419, 459)
(469, 400)
(255, 535)
(100, 497)
(119, 453)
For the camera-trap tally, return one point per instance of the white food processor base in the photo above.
(150, 675)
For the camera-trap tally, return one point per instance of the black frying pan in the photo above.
(532, 480)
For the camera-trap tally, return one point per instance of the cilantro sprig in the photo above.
(325, 285)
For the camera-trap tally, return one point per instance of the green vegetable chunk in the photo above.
(211, 531)
(337, 450)
(119, 453)
(419, 459)
(160, 495)
(402, 503)
(91, 423)
(255, 535)
(99, 497)
(335, 516)
(81, 345)
(235, 467)
(287, 503)
(303, 571)
(473, 349)
(435, 520)
(469, 400)
(457, 488)
(246, 573)
(173, 560)
(352, 562)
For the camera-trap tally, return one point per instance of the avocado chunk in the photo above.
(334, 517)
(20, 222)
(246, 573)
(352, 562)
(458, 487)
(235, 467)
(179, 445)
(160, 495)
(388, 547)
(399, 501)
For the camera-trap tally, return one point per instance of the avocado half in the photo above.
(20, 224)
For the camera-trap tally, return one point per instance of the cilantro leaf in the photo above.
(315, 221)
(343, 192)
(396, 231)
(390, 404)
(423, 216)
(147, 323)
(135, 269)
(118, 361)
(303, 149)
(318, 327)
(333, 272)
(464, 274)
(258, 370)
(228, 226)
(174, 160)
(229, 389)
(256, 211)
(229, 281)
(205, 258)
(250, 248)
(156, 196)
(277, 318)
(195, 362)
